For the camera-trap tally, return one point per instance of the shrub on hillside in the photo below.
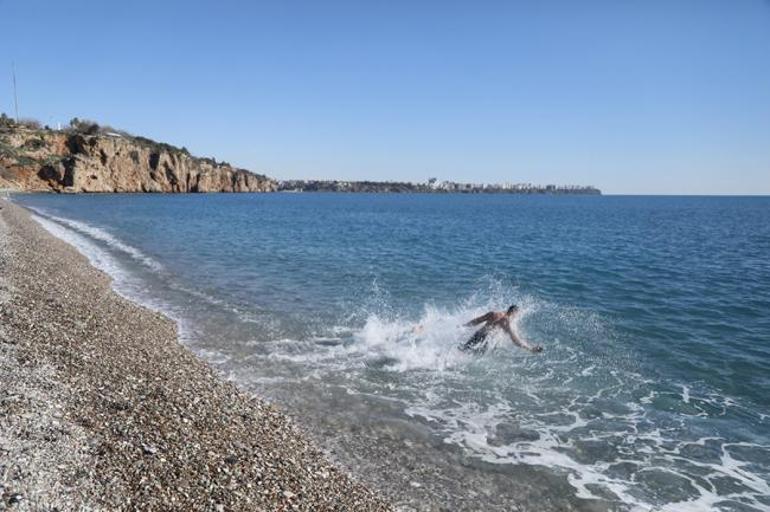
(6, 121)
(84, 126)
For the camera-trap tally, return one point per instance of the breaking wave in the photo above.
(100, 235)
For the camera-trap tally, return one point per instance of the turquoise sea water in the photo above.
(653, 392)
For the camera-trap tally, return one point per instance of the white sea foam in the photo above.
(98, 257)
(472, 428)
(101, 235)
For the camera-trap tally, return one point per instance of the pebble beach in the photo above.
(101, 407)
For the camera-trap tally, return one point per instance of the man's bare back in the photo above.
(496, 320)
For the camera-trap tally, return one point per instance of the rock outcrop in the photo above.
(67, 161)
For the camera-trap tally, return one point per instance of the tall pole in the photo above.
(15, 97)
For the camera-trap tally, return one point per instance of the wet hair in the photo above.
(512, 309)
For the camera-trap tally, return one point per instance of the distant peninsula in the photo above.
(86, 157)
(433, 186)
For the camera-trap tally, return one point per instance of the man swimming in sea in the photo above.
(495, 320)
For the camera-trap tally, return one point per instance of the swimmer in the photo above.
(492, 321)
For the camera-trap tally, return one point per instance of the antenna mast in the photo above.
(15, 97)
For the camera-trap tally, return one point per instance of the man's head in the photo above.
(513, 309)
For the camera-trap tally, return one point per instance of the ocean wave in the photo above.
(97, 256)
(100, 235)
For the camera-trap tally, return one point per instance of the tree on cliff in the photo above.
(84, 126)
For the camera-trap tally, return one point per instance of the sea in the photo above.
(652, 392)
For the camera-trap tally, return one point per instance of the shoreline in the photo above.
(374, 452)
(106, 409)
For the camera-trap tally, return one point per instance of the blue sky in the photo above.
(633, 96)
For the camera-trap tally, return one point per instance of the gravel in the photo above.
(102, 409)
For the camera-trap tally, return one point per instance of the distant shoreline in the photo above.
(431, 187)
(88, 158)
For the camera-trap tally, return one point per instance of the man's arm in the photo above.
(520, 343)
(482, 318)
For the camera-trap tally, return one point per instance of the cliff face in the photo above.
(45, 160)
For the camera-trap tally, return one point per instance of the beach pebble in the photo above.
(149, 449)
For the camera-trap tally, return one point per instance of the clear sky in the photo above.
(633, 96)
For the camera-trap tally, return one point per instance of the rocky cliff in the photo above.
(33, 159)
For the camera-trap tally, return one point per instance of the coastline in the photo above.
(105, 409)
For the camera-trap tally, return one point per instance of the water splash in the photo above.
(586, 408)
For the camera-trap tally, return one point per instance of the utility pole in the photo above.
(15, 97)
